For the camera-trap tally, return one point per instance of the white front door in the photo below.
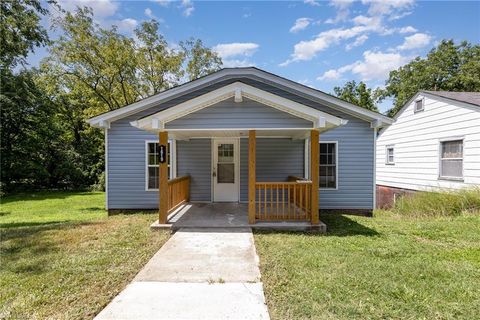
(225, 170)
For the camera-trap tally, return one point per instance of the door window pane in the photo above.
(226, 173)
(225, 152)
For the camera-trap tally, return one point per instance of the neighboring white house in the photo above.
(433, 144)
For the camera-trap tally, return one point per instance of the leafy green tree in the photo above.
(159, 66)
(447, 67)
(20, 30)
(114, 70)
(91, 70)
(99, 63)
(201, 60)
(358, 94)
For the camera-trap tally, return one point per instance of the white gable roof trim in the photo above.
(103, 120)
(157, 121)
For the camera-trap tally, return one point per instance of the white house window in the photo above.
(390, 155)
(152, 170)
(328, 165)
(451, 159)
(418, 105)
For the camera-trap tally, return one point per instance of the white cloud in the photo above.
(226, 50)
(163, 3)
(312, 3)
(307, 50)
(101, 8)
(188, 8)
(148, 12)
(418, 40)
(126, 25)
(342, 7)
(358, 42)
(375, 65)
(408, 29)
(246, 15)
(331, 74)
(399, 15)
(236, 54)
(300, 24)
(236, 63)
(383, 7)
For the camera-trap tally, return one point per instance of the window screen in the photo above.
(451, 159)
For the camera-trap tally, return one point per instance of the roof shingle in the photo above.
(467, 97)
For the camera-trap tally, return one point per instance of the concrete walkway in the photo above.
(198, 274)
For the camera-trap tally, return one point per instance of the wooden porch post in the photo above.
(163, 181)
(251, 175)
(314, 162)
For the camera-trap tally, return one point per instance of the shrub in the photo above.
(448, 203)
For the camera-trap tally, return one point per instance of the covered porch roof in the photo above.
(315, 119)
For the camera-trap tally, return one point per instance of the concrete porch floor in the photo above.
(226, 215)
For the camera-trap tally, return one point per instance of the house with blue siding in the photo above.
(242, 135)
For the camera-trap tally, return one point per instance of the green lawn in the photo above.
(63, 258)
(374, 268)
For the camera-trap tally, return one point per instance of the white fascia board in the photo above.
(150, 101)
(158, 120)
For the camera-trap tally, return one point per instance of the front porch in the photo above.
(252, 156)
(226, 215)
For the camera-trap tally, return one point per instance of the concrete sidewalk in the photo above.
(197, 274)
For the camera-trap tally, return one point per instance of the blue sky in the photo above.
(318, 43)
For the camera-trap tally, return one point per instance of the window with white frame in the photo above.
(328, 165)
(152, 170)
(418, 105)
(390, 155)
(451, 159)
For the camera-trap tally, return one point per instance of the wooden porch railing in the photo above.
(283, 201)
(178, 192)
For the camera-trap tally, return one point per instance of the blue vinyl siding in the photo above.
(194, 158)
(245, 114)
(355, 167)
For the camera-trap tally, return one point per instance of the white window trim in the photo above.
(173, 159)
(440, 141)
(336, 165)
(391, 146)
(415, 105)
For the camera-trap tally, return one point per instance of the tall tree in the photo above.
(358, 94)
(114, 70)
(447, 67)
(200, 59)
(98, 62)
(27, 128)
(92, 69)
(160, 67)
(20, 30)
